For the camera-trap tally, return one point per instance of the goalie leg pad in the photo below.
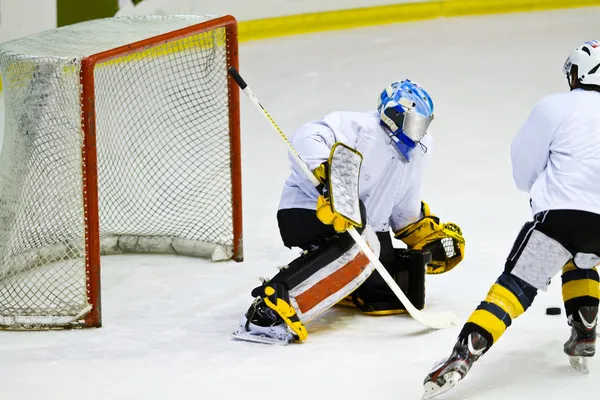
(331, 282)
(320, 278)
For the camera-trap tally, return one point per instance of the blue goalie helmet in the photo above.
(406, 110)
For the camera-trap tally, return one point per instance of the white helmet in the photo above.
(587, 59)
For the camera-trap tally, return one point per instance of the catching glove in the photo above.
(443, 240)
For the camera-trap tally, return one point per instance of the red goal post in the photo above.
(158, 149)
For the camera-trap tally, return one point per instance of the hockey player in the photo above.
(555, 158)
(395, 147)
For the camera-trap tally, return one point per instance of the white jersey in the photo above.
(389, 186)
(556, 153)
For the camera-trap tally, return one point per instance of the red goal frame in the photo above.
(89, 155)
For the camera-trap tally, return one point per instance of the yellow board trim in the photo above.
(489, 322)
(579, 288)
(388, 14)
(506, 300)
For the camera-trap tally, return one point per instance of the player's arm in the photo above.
(530, 148)
(314, 142)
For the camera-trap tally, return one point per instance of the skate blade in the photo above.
(580, 364)
(264, 339)
(432, 389)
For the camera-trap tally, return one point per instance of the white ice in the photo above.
(167, 320)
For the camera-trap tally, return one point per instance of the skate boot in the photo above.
(446, 374)
(263, 325)
(582, 344)
(271, 318)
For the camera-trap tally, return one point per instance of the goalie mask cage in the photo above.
(121, 135)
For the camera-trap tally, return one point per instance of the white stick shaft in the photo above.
(282, 136)
(382, 271)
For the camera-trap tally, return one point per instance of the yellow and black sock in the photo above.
(580, 287)
(508, 298)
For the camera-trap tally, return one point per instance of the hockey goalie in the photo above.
(379, 158)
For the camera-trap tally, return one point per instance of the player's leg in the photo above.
(580, 290)
(534, 259)
(331, 267)
(580, 284)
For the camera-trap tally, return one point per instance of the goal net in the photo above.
(121, 135)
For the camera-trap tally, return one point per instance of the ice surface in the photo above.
(167, 319)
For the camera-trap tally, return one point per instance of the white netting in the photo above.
(163, 144)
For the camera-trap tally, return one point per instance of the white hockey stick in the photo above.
(439, 320)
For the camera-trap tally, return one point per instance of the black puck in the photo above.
(553, 311)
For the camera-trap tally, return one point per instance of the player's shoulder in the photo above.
(557, 107)
(559, 103)
(553, 100)
(353, 123)
(357, 117)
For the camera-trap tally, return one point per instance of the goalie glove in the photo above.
(443, 240)
(327, 216)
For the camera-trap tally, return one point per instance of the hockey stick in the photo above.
(438, 320)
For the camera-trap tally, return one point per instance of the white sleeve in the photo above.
(313, 142)
(530, 149)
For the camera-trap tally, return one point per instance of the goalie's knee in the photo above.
(319, 279)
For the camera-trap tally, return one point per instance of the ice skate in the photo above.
(581, 346)
(262, 325)
(446, 374)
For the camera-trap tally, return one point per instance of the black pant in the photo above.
(578, 231)
(301, 228)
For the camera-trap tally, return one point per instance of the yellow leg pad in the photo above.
(506, 300)
(288, 314)
(580, 288)
(489, 322)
